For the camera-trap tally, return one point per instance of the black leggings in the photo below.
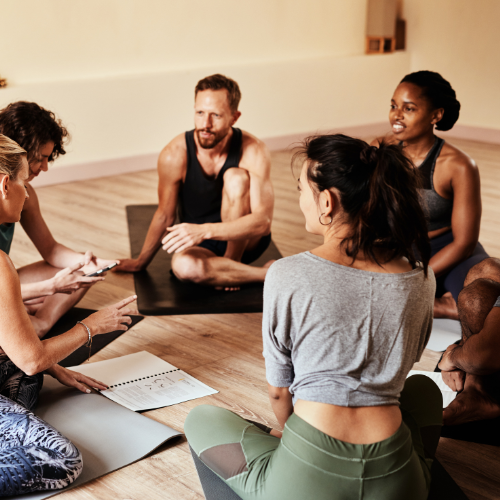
(453, 280)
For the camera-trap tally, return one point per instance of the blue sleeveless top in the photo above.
(6, 236)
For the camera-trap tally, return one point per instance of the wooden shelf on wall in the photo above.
(380, 45)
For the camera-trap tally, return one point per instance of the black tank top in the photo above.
(437, 209)
(200, 198)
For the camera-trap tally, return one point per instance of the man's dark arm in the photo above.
(480, 354)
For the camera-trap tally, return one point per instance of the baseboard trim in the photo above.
(281, 142)
(96, 169)
(480, 134)
(115, 166)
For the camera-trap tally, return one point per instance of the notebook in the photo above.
(142, 381)
(448, 394)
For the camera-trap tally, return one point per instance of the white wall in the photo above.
(54, 40)
(121, 73)
(136, 115)
(461, 40)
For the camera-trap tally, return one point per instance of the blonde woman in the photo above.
(33, 455)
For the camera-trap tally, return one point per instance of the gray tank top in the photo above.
(437, 209)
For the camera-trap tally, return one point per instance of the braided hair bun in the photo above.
(439, 93)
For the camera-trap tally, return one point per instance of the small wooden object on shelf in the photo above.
(3, 82)
(380, 44)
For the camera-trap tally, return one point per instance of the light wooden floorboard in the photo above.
(222, 350)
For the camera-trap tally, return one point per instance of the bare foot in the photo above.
(445, 307)
(473, 403)
(267, 265)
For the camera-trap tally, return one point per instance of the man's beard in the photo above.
(212, 141)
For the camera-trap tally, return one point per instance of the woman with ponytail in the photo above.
(422, 102)
(342, 326)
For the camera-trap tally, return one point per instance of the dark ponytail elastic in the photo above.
(369, 156)
(378, 190)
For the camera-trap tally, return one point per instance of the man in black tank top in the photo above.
(217, 179)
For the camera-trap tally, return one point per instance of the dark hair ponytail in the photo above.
(378, 190)
(439, 93)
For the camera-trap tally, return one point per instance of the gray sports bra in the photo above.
(437, 209)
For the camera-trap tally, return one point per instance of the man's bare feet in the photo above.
(267, 265)
(445, 307)
(473, 403)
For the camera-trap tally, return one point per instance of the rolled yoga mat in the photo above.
(160, 293)
(443, 487)
(69, 320)
(108, 435)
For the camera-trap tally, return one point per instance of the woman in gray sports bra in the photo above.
(451, 192)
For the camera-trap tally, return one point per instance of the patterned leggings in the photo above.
(33, 455)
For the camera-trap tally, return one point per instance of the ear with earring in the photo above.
(325, 223)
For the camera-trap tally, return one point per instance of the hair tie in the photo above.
(369, 156)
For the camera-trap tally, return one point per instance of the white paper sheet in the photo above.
(156, 392)
(125, 368)
(142, 381)
(444, 333)
(448, 394)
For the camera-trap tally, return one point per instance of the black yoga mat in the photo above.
(443, 487)
(480, 431)
(160, 293)
(69, 320)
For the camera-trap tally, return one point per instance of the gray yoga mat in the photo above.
(108, 435)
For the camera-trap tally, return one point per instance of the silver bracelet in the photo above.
(89, 341)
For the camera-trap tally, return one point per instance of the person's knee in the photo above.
(487, 269)
(197, 416)
(475, 302)
(73, 461)
(422, 398)
(41, 325)
(236, 183)
(203, 423)
(188, 267)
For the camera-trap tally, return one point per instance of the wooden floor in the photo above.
(222, 350)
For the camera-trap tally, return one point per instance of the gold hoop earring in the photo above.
(328, 223)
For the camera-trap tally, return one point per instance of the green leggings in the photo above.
(306, 463)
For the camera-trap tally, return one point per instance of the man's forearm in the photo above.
(246, 227)
(476, 357)
(152, 243)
